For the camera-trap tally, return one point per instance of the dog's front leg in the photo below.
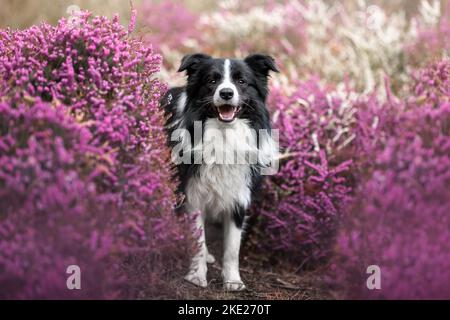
(232, 243)
(198, 269)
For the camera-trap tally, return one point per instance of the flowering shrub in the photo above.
(85, 177)
(303, 203)
(401, 220)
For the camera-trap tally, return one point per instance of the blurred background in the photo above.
(353, 43)
(24, 13)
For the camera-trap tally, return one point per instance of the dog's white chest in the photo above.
(224, 177)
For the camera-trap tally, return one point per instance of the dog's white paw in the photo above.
(197, 274)
(237, 285)
(210, 258)
(197, 279)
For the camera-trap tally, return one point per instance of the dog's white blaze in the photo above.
(227, 83)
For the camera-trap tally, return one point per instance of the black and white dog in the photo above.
(221, 140)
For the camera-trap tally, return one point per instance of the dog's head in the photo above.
(226, 88)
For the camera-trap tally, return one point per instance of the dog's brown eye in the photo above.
(213, 81)
(241, 81)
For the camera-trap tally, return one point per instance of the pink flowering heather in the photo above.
(168, 24)
(85, 177)
(303, 203)
(401, 217)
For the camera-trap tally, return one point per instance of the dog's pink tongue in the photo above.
(227, 113)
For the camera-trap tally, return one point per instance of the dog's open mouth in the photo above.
(227, 112)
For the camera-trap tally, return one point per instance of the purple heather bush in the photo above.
(401, 217)
(301, 205)
(85, 177)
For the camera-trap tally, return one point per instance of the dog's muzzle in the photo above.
(227, 112)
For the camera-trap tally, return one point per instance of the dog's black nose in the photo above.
(226, 94)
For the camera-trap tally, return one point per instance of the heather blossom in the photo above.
(302, 204)
(400, 219)
(85, 177)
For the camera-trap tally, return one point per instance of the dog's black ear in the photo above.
(261, 64)
(191, 62)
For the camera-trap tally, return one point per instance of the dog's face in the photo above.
(226, 88)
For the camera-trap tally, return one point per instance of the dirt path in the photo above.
(263, 283)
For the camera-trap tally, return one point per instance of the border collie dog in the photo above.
(221, 138)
